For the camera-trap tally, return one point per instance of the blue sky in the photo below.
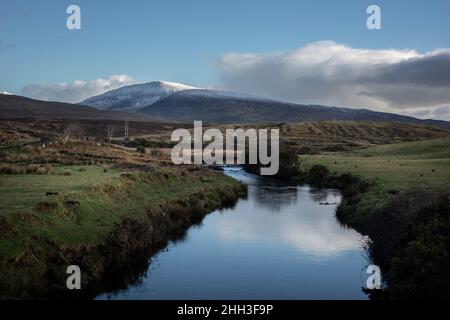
(183, 40)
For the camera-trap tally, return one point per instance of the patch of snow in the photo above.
(6, 93)
(136, 96)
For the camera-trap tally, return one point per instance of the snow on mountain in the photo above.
(221, 94)
(134, 97)
(6, 93)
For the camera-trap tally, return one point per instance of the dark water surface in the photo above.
(280, 243)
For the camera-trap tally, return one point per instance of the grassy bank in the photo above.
(390, 169)
(399, 195)
(105, 221)
(400, 166)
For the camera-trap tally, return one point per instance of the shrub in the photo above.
(141, 149)
(289, 163)
(318, 175)
(420, 258)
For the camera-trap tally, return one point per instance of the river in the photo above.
(282, 242)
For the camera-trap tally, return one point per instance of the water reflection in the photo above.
(303, 225)
(282, 242)
(272, 198)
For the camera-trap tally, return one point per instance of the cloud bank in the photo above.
(400, 81)
(76, 91)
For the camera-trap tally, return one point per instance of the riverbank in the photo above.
(107, 221)
(398, 195)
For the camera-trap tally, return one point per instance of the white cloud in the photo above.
(402, 81)
(76, 91)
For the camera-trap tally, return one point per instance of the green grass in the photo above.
(397, 166)
(390, 169)
(103, 199)
(19, 192)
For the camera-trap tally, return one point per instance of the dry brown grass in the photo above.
(24, 169)
(316, 137)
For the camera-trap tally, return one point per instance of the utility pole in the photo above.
(126, 129)
(110, 132)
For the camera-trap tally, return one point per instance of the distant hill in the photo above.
(217, 107)
(16, 107)
(172, 101)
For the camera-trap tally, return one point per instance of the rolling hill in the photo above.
(18, 107)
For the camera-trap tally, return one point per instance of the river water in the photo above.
(282, 242)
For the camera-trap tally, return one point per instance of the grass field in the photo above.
(19, 192)
(390, 169)
(396, 166)
(90, 202)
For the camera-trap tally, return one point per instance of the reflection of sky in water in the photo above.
(304, 224)
(280, 243)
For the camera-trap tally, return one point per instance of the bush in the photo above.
(289, 163)
(420, 259)
(318, 175)
(351, 185)
(140, 149)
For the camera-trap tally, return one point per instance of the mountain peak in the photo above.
(170, 85)
(165, 86)
(6, 93)
(136, 96)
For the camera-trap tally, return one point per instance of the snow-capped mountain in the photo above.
(139, 96)
(178, 102)
(134, 97)
(6, 93)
